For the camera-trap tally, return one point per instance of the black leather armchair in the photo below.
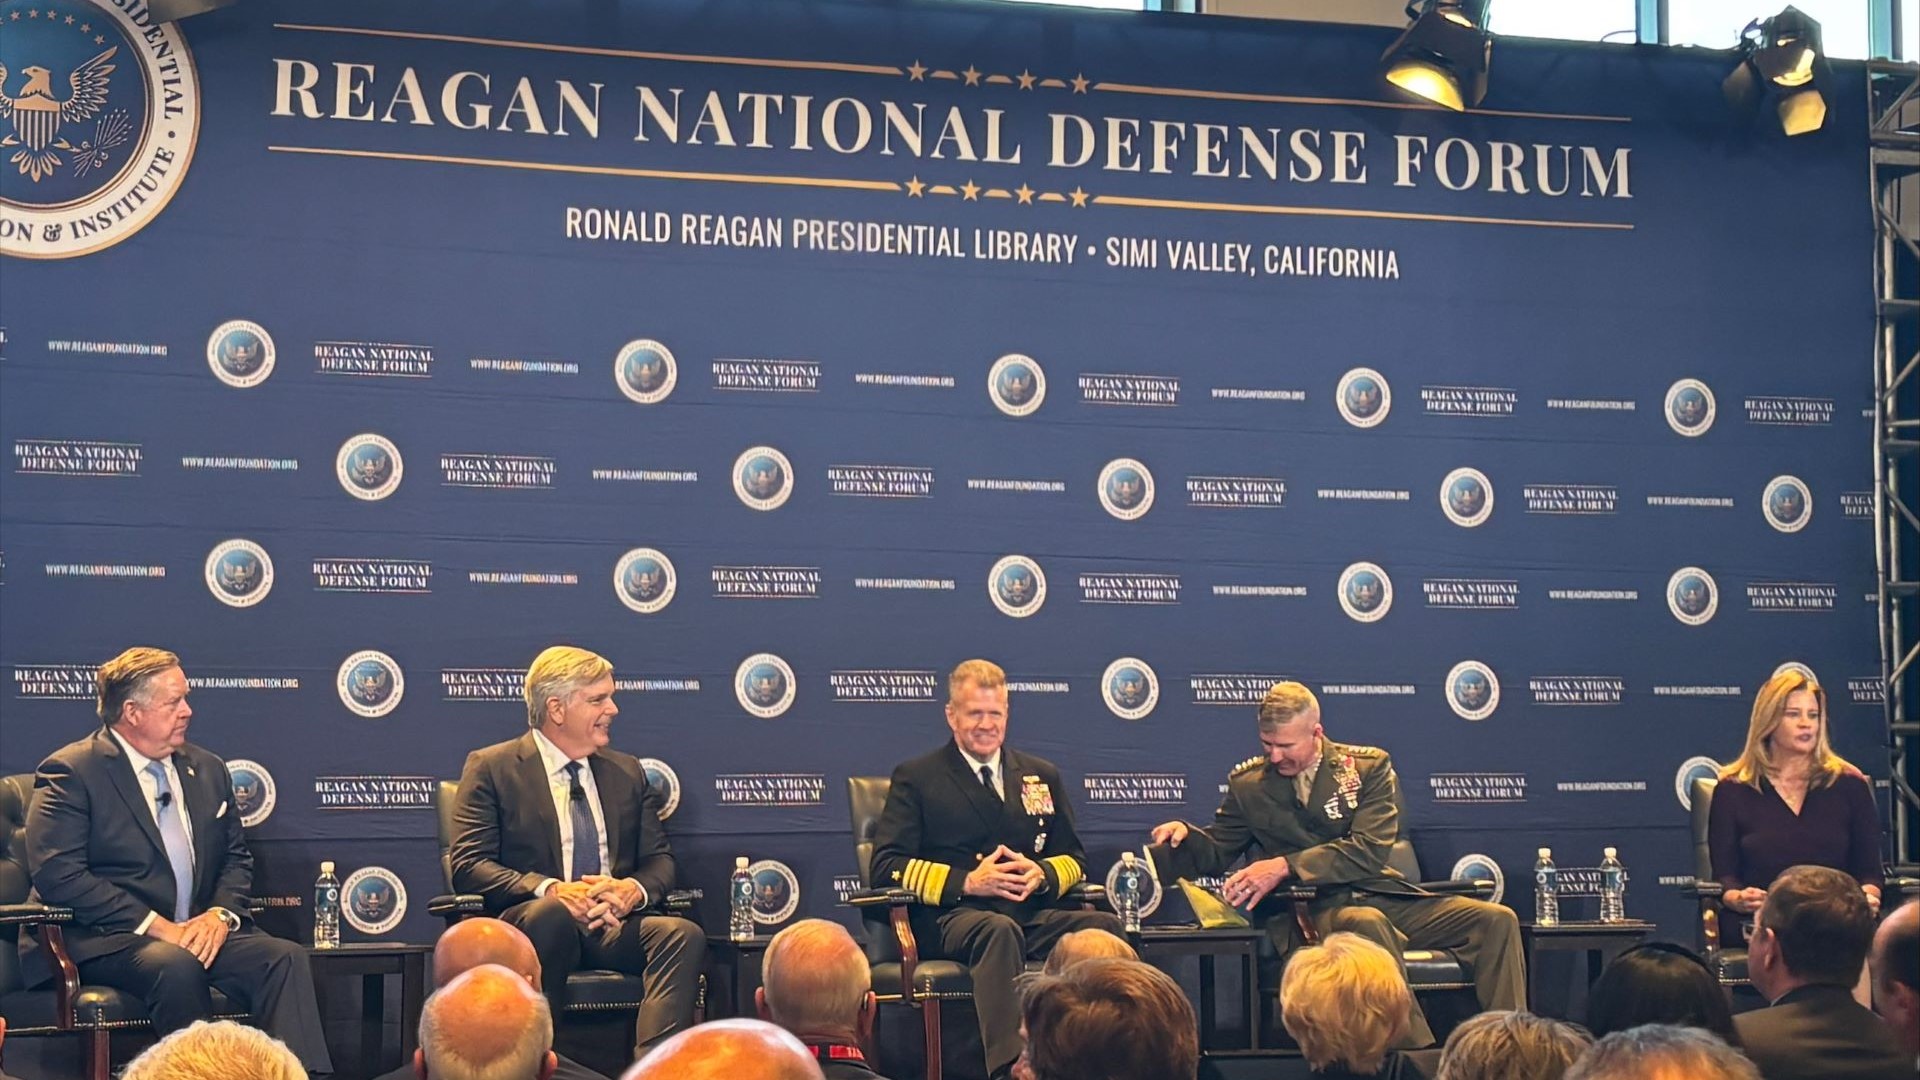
(67, 1006)
(899, 974)
(588, 990)
(1730, 964)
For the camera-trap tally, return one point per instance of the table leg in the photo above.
(373, 1014)
(1208, 1018)
(413, 995)
(1250, 978)
(742, 989)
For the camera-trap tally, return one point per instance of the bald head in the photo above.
(728, 1050)
(816, 981)
(486, 1023)
(470, 943)
(1896, 967)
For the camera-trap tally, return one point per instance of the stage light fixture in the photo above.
(1781, 62)
(1443, 55)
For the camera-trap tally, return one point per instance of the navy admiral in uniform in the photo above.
(1326, 813)
(984, 836)
(135, 829)
(562, 836)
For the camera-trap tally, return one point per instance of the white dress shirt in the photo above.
(560, 782)
(151, 789)
(999, 776)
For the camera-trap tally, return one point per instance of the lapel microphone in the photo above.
(165, 799)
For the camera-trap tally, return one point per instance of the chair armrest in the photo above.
(681, 901)
(1086, 892)
(33, 914)
(882, 898)
(456, 906)
(1903, 881)
(1704, 890)
(1295, 893)
(1450, 887)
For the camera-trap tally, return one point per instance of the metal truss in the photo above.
(1893, 101)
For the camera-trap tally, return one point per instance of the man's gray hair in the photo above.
(816, 978)
(1663, 1049)
(216, 1050)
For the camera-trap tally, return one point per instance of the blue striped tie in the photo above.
(174, 834)
(586, 834)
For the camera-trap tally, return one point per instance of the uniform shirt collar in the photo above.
(1303, 782)
(138, 760)
(554, 758)
(974, 763)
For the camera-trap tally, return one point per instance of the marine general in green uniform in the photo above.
(1328, 814)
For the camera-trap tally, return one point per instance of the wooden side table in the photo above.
(740, 962)
(1190, 940)
(373, 961)
(1600, 941)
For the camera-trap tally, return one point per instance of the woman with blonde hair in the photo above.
(1345, 1001)
(1789, 800)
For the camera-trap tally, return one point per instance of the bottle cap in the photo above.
(1609, 853)
(740, 862)
(1126, 857)
(326, 867)
(1546, 853)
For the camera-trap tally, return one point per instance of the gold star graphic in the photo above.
(915, 188)
(15, 16)
(86, 29)
(970, 191)
(1025, 193)
(69, 20)
(34, 14)
(918, 72)
(1079, 84)
(1026, 79)
(1079, 196)
(972, 75)
(98, 40)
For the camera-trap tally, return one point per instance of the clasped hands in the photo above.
(1750, 900)
(597, 900)
(202, 935)
(1244, 887)
(1006, 874)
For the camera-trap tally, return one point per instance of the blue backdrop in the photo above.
(788, 354)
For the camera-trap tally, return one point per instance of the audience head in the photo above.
(216, 1050)
(1658, 983)
(1344, 1001)
(1896, 968)
(728, 1050)
(1815, 928)
(1503, 1045)
(487, 1024)
(1663, 1052)
(470, 943)
(1088, 944)
(816, 983)
(1108, 1019)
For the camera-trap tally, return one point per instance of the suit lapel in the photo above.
(128, 786)
(203, 802)
(533, 780)
(611, 784)
(978, 795)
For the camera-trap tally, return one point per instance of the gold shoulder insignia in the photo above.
(1363, 751)
(1247, 766)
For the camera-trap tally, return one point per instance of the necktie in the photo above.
(173, 833)
(986, 776)
(586, 835)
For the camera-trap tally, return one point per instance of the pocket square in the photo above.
(222, 812)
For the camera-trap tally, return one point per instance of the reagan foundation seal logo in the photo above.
(239, 573)
(373, 899)
(1364, 398)
(645, 580)
(645, 371)
(1689, 408)
(1017, 585)
(240, 353)
(1466, 495)
(1126, 489)
(253, 791)
(763, 478)
(1788, 503)
(1366, 592)
(1477, 867)
(1016, 384)
(99, 113)
(662, 783)
(764, 685)
(370, 683)
(1130, 688)
(369, 467)
(1692, 595)
(1473, 690)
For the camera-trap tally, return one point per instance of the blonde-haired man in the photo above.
(1328, 814)
(135, 829)
(584, 899)
(983, 835)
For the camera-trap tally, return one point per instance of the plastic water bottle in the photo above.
(740, 893)
(1613, 888)
(326, 909)
(1126, 893)
(1546, 890)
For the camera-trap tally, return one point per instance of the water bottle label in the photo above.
(1611, 879)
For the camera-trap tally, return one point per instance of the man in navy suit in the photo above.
(134, 828)
(983, 835)
(562, 837)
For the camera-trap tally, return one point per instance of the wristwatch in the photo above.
(228, 917)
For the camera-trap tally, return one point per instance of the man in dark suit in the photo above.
(1810, 940)
(134, 828)
(983, 835)
(562, 836)
(1896, 975)
(472, 943)
(1328, 813)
